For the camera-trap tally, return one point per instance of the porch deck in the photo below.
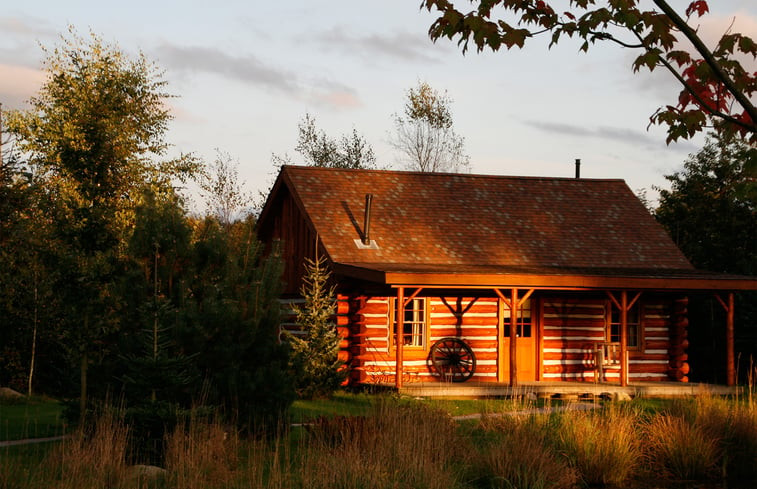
(561, 389)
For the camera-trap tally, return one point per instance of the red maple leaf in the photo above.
(700, 7)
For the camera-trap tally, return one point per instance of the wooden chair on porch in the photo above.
(606, 357)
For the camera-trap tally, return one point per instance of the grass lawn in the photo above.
(30, 418)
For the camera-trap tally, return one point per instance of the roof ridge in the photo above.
(442, 174)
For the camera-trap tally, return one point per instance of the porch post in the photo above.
(730, 367)
(623, 338)
(513, 337)
(399, 321)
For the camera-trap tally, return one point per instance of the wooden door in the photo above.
(525, 344)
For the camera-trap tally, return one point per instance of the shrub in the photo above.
(521, 457)
(602, 447)
(680, 450)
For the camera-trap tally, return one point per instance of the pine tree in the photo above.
(315, 355)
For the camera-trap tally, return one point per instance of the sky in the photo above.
(244, 74)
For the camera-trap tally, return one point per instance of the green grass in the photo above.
(30, 418)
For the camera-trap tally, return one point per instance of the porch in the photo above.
(561, 389)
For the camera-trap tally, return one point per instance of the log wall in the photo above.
(568, 327)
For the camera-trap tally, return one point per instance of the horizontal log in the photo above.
(481, 321)
(342, 307)
(343, 331)
(569, 334)
(343, 356)
(682, 357)
(681, 322)
(656, 344)
(375, 308)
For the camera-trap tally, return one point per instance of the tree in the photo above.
(224, 196)
(716, 89)
(95, 131)
(230, 316)
(714, 222)
(318, 149)
(424, 134)
(316, 366)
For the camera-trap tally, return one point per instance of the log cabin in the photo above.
(504, 279)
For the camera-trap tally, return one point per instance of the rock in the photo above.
(146, 472)
(620, 396)
(8, 393)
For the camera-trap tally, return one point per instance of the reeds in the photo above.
(603, 447)
(521, 456)
(408, 444)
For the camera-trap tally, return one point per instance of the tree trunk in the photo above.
(34, 335)
(83, 376)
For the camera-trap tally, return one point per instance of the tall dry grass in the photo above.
(416, 446)
(93, 459)
(680, 450)
(396, 446)
(519, 455)
(603, 446)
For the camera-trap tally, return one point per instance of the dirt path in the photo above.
(583, 406)
(29, 441)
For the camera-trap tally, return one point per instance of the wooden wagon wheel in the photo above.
(453, 359)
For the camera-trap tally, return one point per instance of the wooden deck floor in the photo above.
(561, 389)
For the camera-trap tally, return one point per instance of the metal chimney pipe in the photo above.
(578, 167)
(367, 220)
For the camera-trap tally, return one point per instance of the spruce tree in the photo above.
(315, 355)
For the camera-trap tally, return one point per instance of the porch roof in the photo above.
(580, 278)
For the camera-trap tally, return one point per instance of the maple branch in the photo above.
(710, 60)
(694, 93)
(605, 36)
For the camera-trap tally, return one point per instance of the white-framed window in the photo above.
(415, 326)
(524, 324)
(633, 323)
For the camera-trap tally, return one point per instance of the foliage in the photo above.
(93, 130)
(230, 318)
(424, 134)
(224, 196)
(315, 362)
(318, 149)
(716, 88)
(710, 212)
(707, 212)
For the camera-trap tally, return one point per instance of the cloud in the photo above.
(616, 134)
(17, 84)
(247, 69)
(405, 46)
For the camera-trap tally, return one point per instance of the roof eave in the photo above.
(541, 281)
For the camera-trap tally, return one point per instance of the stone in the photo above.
(146, 472)
(8, 393)
(620, 397)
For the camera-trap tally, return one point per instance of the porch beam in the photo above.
(412, 296)
(502, 296)
(400, 325)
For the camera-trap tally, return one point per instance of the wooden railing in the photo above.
(606, 355)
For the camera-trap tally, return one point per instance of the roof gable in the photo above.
(458, 220)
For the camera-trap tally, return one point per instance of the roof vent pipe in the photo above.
(367, 220)
(578, 167)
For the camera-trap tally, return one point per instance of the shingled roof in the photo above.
(476, 224)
